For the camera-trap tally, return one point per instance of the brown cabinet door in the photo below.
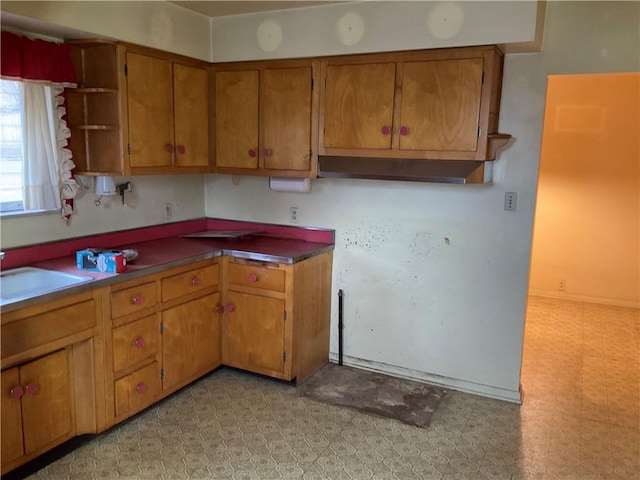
(190, 340)
(135, 342)
(12, 442)
(150, 104)
(236, 113)
(358, 110)
(286, 121)
(137, 390)
(190, 90)
(255, 333)
(441, 105)
(46, 403)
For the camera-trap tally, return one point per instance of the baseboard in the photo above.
(614, 302)
(513, 396)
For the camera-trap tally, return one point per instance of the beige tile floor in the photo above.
(579, 420)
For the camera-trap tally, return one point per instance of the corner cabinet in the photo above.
(435, 104)
(265, 118)
(277, 316)
(137, 111)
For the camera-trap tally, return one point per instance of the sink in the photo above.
(26, 282)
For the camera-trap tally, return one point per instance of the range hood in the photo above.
(434, 171)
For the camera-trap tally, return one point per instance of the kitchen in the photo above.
(390, 243)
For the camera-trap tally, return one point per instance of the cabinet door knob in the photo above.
(139, 342)
(404, 131)
(168, 147)
(16, 392)
(229, 307)
(137, 299)
(253, 277)
(219, 308)
(386, 130)
(252, 153)
(32, 388)
(266, 152)
(141, 388)
(195, 281)
(181, 149)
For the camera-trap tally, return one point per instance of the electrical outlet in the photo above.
(293, 214)
(510, 201)
(167, 212)
(562, 285)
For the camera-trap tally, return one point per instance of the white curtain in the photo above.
(47, 167)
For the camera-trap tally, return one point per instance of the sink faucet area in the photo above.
(25, 282)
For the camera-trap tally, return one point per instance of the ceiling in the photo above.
(224, 8)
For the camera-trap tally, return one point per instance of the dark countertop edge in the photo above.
(133, 274)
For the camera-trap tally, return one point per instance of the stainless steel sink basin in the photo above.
(26, 282)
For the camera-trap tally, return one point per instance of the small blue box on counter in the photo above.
(101, 260)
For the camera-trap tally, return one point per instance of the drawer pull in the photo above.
(139, 342)
(195, 281)
(385, 130)
(137, 299)
(230, 307)
(219, 308)
(32, 388)
(252, 153)
(141, 388)
(266, 152)
(181, 149)
(404, 131)
(16, 392)
(168, 147)
(253, 277)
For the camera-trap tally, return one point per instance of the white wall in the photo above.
(415, 305)
(150, 193)
(356, 27)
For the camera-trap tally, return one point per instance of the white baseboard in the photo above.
(513, 396)
(615, 302)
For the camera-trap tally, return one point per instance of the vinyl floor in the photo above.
(580, 420)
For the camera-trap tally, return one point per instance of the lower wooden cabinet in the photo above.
(36, 403)
(83, 363)
(163, 332)
(51, 367)
(255, 334)
(190, 340)
(277, 316)
(137, 390)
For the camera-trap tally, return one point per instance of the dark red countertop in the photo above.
(159, 249)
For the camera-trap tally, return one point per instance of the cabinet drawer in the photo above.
(135, 342)
(137, 390)
(37, 330)
(133, 299)
(256, 277)
(188, 282)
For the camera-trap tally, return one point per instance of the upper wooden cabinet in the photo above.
(265, 118)
(435, 104)
(168, 115)
(137, 111)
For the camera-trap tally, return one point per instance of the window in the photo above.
(11, 151)
(35, 165)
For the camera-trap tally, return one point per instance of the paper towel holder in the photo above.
(287, 184)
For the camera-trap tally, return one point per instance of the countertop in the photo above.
(164, 253)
